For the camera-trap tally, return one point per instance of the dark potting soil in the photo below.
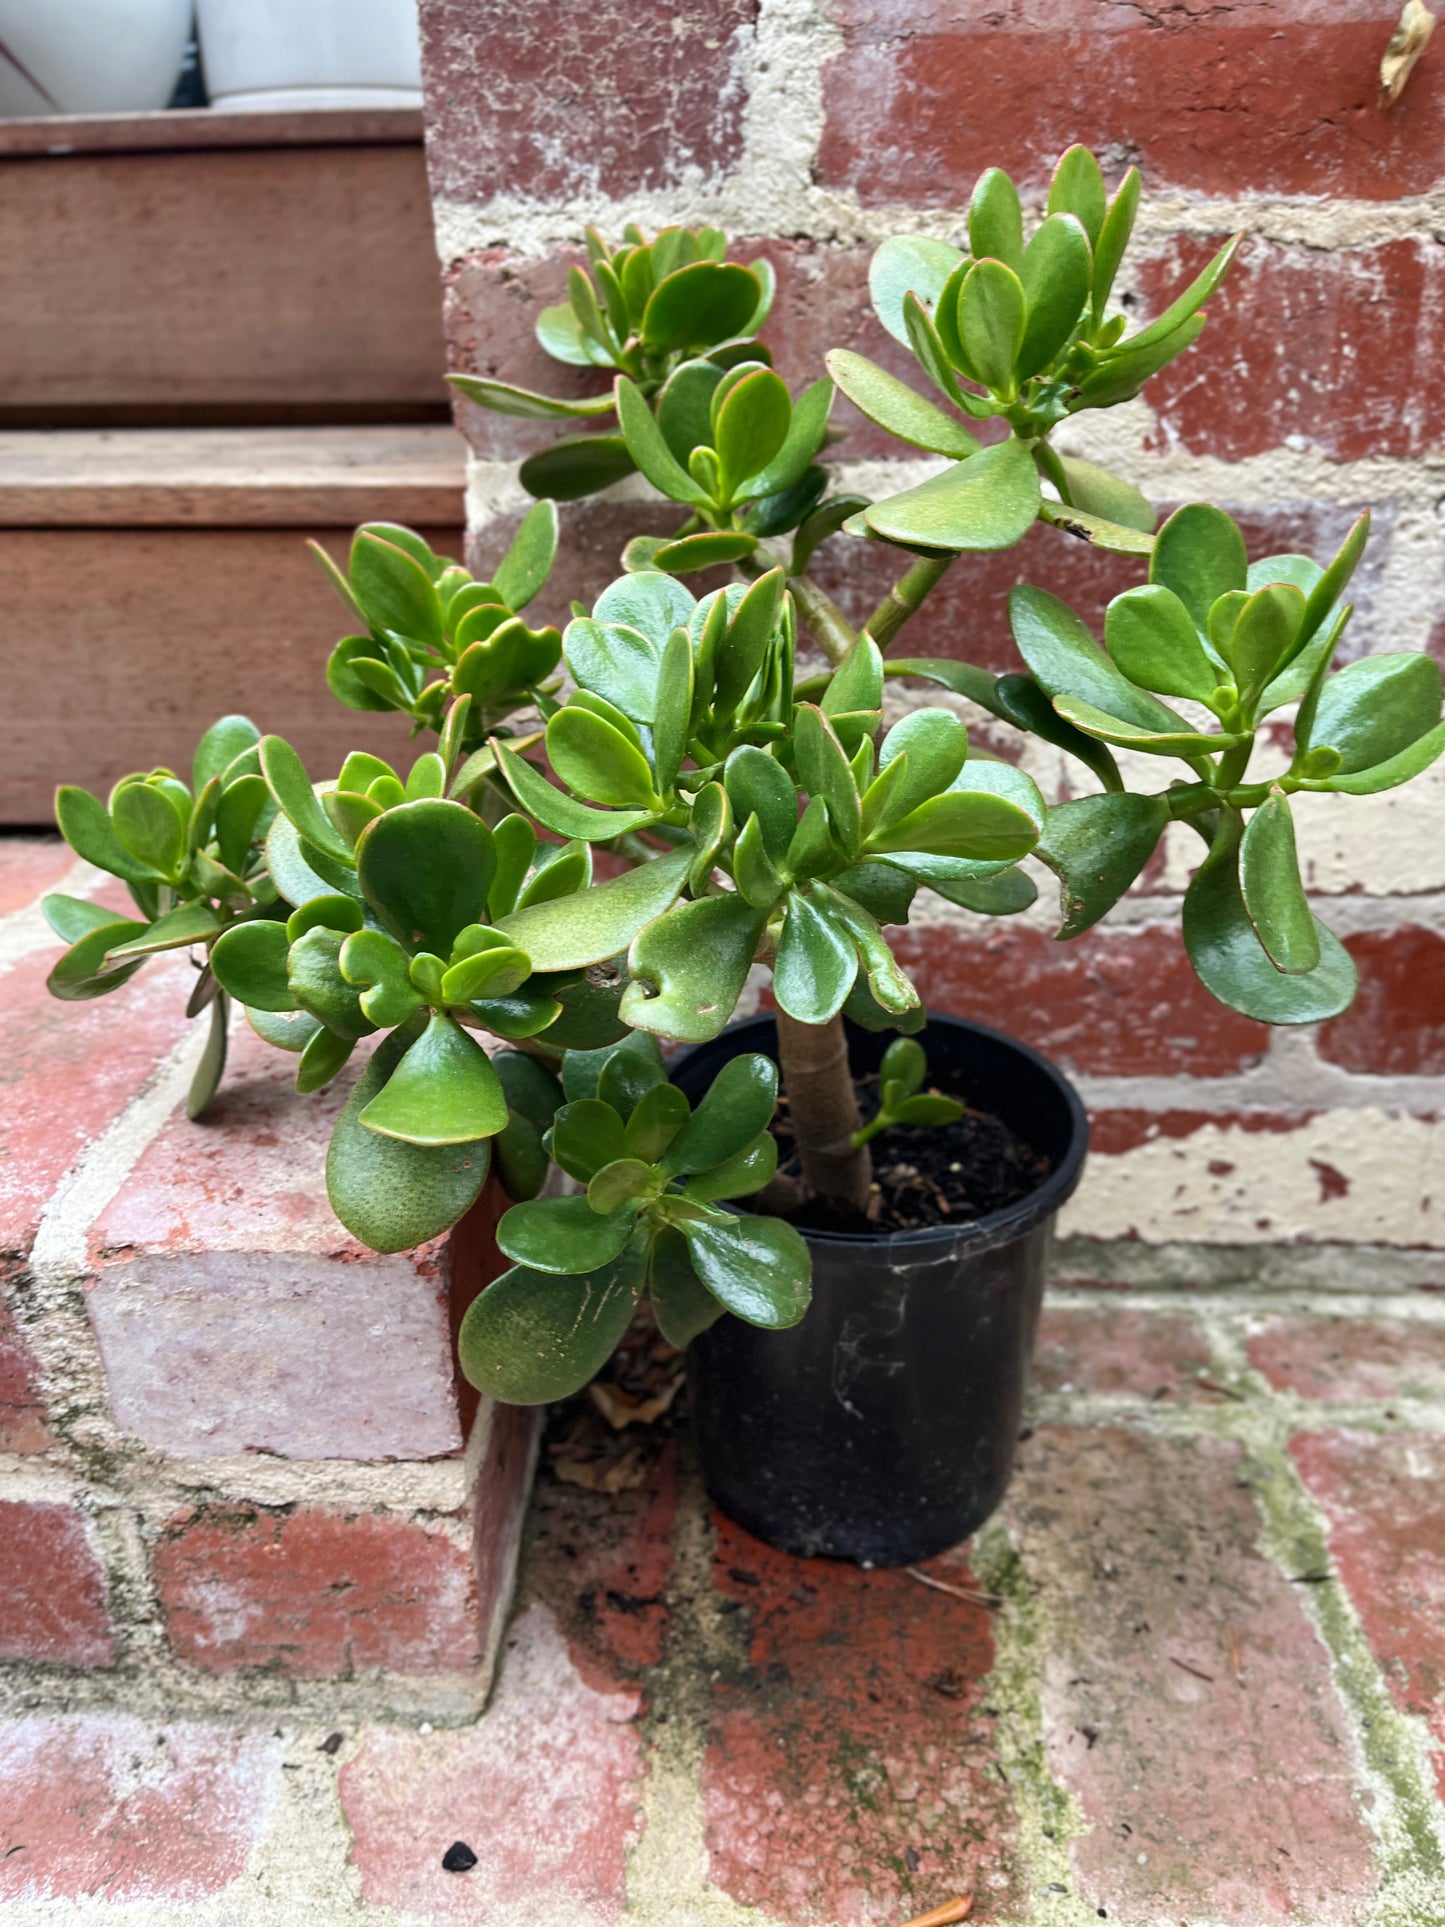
(942, 1174)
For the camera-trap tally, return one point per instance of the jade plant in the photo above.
(719, 753)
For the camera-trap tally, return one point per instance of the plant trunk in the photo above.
(823, 1106)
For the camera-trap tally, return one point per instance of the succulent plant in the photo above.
(722, 758)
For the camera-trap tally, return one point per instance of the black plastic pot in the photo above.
(882, 1428)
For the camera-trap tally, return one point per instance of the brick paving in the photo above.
(1192, 1673)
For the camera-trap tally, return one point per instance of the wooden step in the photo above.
(198, 266)
(156, 579)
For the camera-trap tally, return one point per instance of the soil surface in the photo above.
(924, 1176)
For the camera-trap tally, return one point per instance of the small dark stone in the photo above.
(331, 1744)
(912, 1858)
(459, 1858)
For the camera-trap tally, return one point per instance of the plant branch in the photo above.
(823, 1107)
(904, 598)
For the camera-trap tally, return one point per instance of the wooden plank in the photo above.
(216, 285)
(189, 129)
(120, 647)
(229, 477)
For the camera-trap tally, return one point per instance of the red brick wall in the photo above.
(815, 131)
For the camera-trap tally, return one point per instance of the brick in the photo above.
(583, 105)
(499, 1502)
(601, 1563)
(1344, 1359)
(849, 1777)
(52, 1589)
(24, 1428)
(544, 1790)
(1188, 1705)
(1117, 1351)
(1114, 1002)
(491, 303)
(29, 866)
(102, 1803)
(69, 1071)
(314, 1594)
(1396, 1025)
(1382, 1498)
(1350, 1176)
(225, 1294)
(1208, 98)
(1305, 349)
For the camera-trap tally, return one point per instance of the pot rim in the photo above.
(977, 1234)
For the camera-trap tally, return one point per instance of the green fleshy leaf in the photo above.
(531, 1338)
(657, 1117)
(395, 590)
(322, 1056)
(1397, 769)
(962, 823)
(564, 1235)
(1066, 661)
(576, 465)
(597, 762)
(629, 1071)
(72, 918)
(82, 972)
(187, 924)
(390, 1194)
(313, 974)
(444, 1091)
(1056, 272)
(425, 869)
(649, 450)
(249, 961)
(752, 425)
(504, 399)
(557, 811)
(816, 963)
(738, 1105)
(699, 305)
(212, 1065)
(148, 824)
(995, 220)
(1179, 740)
(1273, 894)
(625, 1181)
(988, 502)
(759, 1268)
(577, 931)
(223, 742)
(824, 772)
(1376, 708)
(681, 1303)
(1101, 493)
(908, 264)
(288, 782)
(586, 1132)
(740, 1177)
(1077, 188)
(1199, 554)
(289, 1030)
(689, 966)
(899, 409)
(1153, 642)
(1232, 963)
(1097, 846)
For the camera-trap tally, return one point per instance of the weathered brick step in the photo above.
(237, 1448)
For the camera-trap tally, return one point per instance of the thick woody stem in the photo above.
(903, 599)
(823, 1106)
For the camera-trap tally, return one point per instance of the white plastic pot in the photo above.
(92, 56)
(265, 54)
